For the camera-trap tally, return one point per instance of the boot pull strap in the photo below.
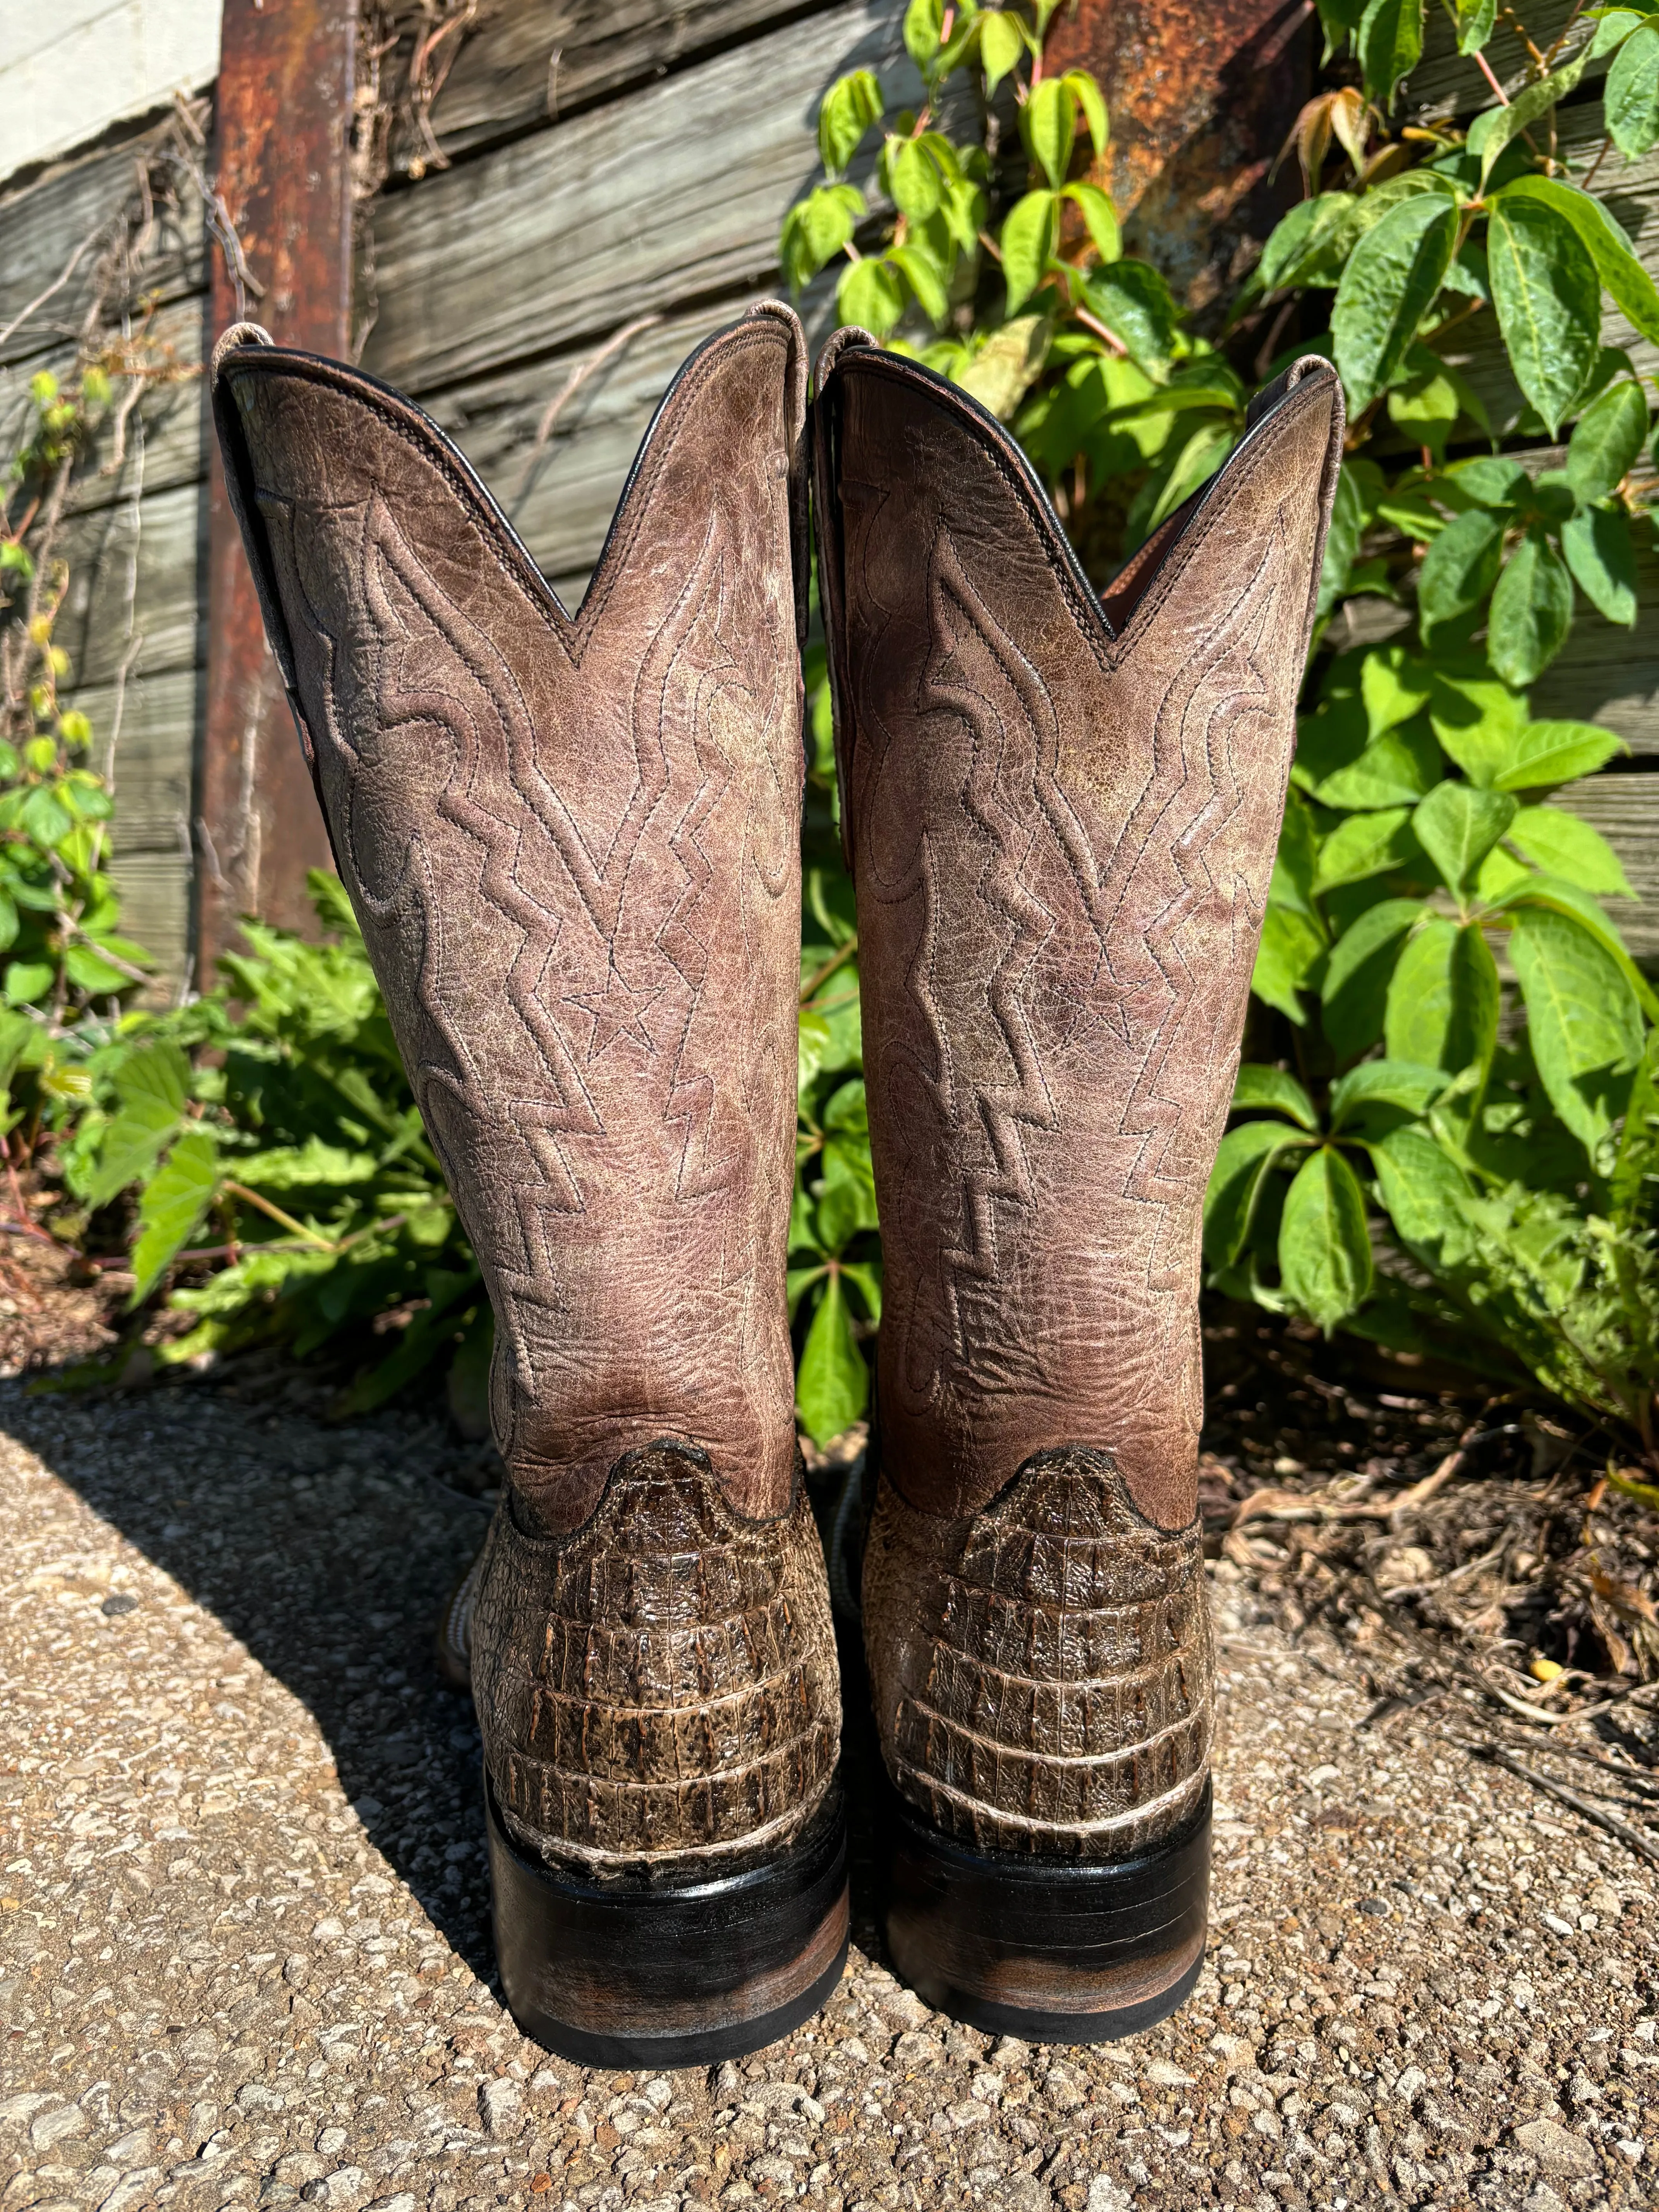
(238, 334)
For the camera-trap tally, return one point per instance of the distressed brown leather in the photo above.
(1041, 1669)
(663, 1681)
(1061, 816)
(572, 842)
(1062, 831)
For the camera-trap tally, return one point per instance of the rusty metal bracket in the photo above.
(283, 155)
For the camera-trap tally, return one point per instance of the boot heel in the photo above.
(1050, 1950)
(636, 1972)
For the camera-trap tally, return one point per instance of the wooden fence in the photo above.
(619, 169)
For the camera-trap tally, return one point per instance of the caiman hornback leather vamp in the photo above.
(1061, 815)
(572, 842)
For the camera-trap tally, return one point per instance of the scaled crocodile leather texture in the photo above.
(572, 845)
(662, 1683)
(1041, 1669)
(1062, 820)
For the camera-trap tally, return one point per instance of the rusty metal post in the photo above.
(283, 119)
(1202, 95)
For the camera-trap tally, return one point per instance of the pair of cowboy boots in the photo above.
(573, 844)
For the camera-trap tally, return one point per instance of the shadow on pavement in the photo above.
(327, 1553)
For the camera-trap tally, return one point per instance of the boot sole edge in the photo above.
(665, 1974)
(1050, 1950)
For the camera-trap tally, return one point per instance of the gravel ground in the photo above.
(244, 1955)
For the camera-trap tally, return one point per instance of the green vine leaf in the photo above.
(1387, 287)
(1548, 298)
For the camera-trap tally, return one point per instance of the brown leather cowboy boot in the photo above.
(1060, 814)
(573, 844)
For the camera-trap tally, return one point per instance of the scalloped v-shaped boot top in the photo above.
(573, 843)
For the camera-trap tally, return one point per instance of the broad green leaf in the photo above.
(1341, 540)
(1563, 845)
(1630, 106)
(1583, 1022)
(1136, 305)
(1364, 844)
(817, 228)
(1475, 20)
(923, 22)
(1028, 242)
(1387, 287)
(1271, 1089)
(1395, 769)
(1607, 438)
(91, 975)
(1356, 987)
(1443, 999)
(175, 1202)
(1531, 611)
(849, 1108)
(130, 1145)
(832, 1387)
(1338, 19)
(1049, 121)
(1197, 462)
(1002, 45)
(1553, 894)
(1498, 874)
(866, 1281)
(1548, 299)
(1292, 947)
(1494, 129)
(1424, 1192)
(1628, 284)
(1603, 561)
(1007, 365)
(912, 178)
(299, 1167)
(1099, 218)
(1324, 1245)
(797, 1281)
(27, 980)
(1460, 565)
(1385, 1089)
(1489, 480)
(1242, 1166)
(812, 1043)
(45, 820)
(871, 295)
(1637, 1168)
(1396, 686)
(1542, 753)
(1457, 826)
(1087, 93)
(924, 278)
(1309, 243)
(1389, 42)
(848, 108)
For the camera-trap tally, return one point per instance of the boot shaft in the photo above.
(572, 845)
(1061, 818)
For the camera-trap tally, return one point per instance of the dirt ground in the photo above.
(244, 1952)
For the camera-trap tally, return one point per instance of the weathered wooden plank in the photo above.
(582, 227)
(150, 767)
(42, 224)
(135, 587)
(560, 498)
(1626, 810)
(1444, 84)
(143, 744)
(540, 60)
(166, 437)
